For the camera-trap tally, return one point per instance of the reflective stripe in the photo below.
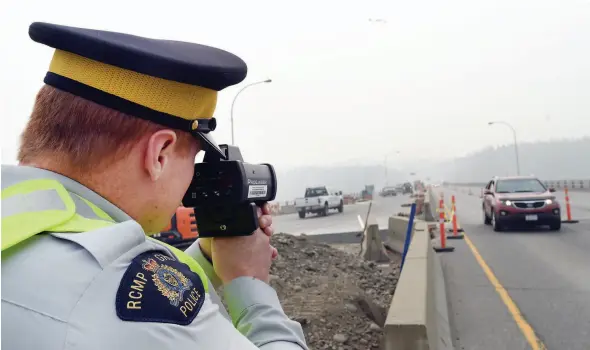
(33, 201)
(23, 224)
(83, 209)
(80, 224)
(187, 259)
(35, 206)
(99, 212)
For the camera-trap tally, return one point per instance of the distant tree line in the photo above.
(551, 160)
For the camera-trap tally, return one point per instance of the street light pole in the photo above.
(234, 102)
(515, 142)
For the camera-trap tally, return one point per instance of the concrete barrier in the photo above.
(427, 207)
(287, 209)
(418, 316)
(396, 232)
(433, 197)
(373, 248)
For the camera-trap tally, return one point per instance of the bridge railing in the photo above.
(572, 185)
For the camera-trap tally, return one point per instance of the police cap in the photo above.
(171, 83)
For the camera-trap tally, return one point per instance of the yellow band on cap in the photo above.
(179, 99)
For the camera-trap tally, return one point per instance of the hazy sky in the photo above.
(424, 80)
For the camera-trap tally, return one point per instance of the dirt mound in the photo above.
(340, 300)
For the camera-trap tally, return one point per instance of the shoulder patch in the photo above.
(158, 288)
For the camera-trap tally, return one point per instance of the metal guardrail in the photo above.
(583, 185)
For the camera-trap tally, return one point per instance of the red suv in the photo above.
(520, 200)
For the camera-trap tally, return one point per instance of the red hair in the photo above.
(85, 135)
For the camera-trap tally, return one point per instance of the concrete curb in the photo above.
(418, 316)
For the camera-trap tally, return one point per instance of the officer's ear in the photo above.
(160, 149)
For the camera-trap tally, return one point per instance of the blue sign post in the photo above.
(409, 233)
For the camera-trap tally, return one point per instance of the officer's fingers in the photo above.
(265, 221)
(269, 230)
(266, 209)
(275, 252)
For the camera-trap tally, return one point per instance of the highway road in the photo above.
(546, 275)
(346, 221)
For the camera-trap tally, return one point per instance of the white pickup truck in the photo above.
(319, 200)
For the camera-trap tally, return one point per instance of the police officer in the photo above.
(105, 158)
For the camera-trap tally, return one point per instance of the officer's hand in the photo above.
(265, 225)
(250, 256)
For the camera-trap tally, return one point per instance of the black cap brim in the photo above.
(209, 145)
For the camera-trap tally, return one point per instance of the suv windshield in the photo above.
(316, 192)
(519, 185)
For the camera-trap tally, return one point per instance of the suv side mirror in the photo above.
(552, 190)
(488, 192)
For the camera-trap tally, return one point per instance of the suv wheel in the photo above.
(341, 207)
(325, 211)
(486, 219)
(495, 224)
(302, 214)
(556, 226)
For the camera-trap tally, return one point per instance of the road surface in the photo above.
(546, 274)
(347, 221)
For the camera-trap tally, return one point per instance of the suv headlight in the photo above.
(548, 201)
(507, 202)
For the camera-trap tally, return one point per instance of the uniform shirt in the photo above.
(59, 291)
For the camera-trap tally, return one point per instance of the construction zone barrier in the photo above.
(418, 316)
(568, 209)
(442, 244)
(455, 230)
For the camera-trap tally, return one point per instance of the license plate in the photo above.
(531, 218)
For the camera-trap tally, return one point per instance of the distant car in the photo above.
(523, 200)
(407, 188)
(388, 191)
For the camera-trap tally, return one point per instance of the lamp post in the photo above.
(515, 142)
(234, 102)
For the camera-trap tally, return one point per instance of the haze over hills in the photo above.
(551, 160)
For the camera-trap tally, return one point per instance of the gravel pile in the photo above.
(340, 300)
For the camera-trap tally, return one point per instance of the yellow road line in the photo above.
(525, 327)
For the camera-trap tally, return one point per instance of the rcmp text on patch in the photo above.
(158, 288)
